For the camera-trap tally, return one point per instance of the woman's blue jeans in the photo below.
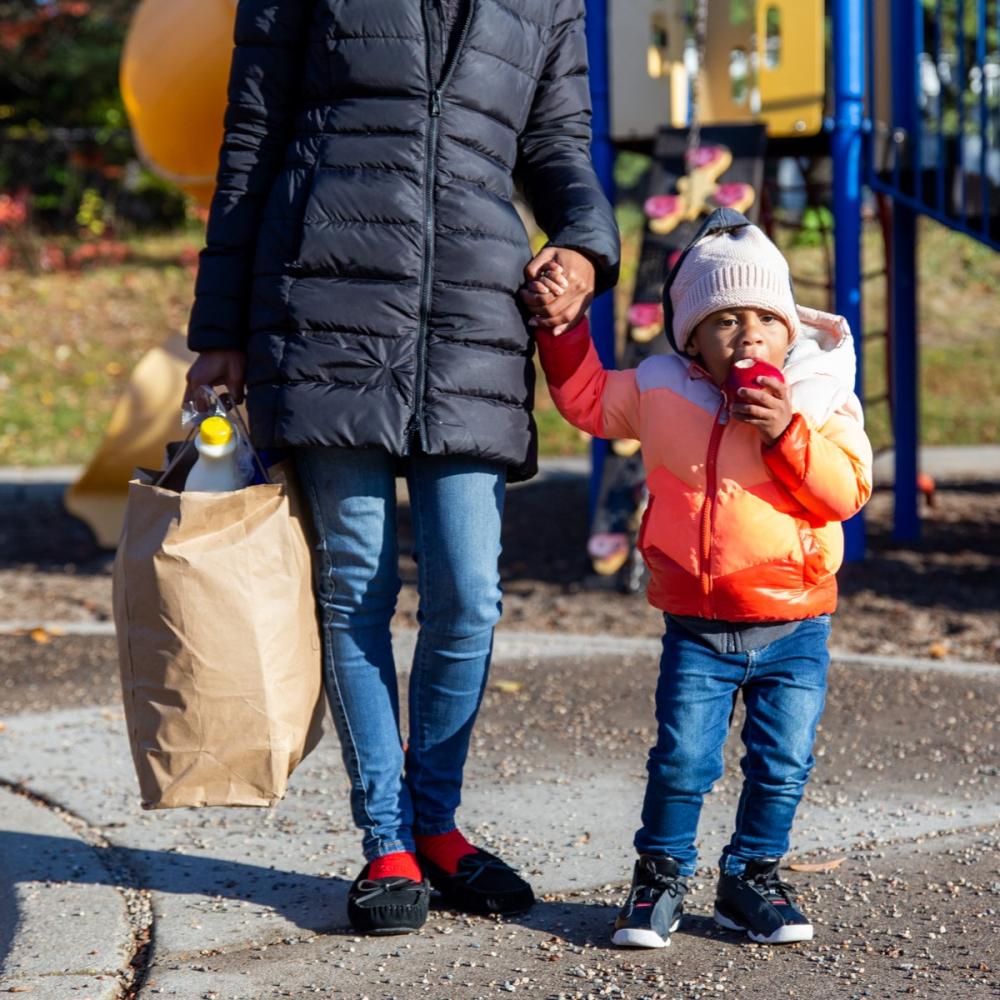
(784, 689)
(457, 505)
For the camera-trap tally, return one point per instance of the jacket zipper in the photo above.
(708, 508)
(430, 179)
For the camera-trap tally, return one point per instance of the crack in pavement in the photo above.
(137, 902)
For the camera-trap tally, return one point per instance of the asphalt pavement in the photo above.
(99, 899)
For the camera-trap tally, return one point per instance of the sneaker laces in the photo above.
(769, 884)
(655, 884)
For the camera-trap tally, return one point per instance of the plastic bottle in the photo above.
(216, 470)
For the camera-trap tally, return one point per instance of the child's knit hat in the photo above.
(728, 264)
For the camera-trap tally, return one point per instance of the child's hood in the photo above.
(820, 367)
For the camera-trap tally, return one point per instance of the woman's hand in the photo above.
(559, 287)
(768, 409)
(228, 368)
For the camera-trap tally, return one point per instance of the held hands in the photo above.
(213, 368)
(768, 409)
(558, 288)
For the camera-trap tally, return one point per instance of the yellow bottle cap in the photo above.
(215, 430)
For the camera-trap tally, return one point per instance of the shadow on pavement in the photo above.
(9, 918)
(313, 903)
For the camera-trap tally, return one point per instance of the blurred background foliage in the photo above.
(66, 154)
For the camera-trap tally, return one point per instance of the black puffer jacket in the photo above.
(362, 245)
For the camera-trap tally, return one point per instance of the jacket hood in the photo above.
(821, 366)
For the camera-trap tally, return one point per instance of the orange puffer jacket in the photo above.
(734, 530)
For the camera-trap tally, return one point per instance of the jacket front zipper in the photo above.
(434, 99)
(708, 508)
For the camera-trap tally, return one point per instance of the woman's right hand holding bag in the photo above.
(222, 367)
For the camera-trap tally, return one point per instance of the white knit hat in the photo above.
(732, 268)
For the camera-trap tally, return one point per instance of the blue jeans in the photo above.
(784, 689)
(457, 504)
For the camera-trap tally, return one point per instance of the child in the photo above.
(742, 539)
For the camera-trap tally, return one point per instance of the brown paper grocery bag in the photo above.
(218, 642)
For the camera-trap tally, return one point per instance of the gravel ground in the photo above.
(939, 598)
(899, 925)
(903, 916)
(908, 913)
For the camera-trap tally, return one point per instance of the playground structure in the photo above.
(911, 111)
(916, 121)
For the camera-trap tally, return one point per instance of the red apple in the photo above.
(744, 375)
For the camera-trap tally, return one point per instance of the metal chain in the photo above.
(700, 31)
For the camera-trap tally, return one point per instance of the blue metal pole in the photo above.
(939, 124)
(963, 86)
(849, 97)
(907, 27)
(602, 313)
(984, 182)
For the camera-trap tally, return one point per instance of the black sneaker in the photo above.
(653, 908)
(393, 905)
(482, 884)
(759, 903)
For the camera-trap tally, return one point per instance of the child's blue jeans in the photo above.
(784, 688)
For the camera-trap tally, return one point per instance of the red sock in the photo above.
(399, 864)
(445, 849)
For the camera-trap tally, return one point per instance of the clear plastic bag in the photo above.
(205, 402)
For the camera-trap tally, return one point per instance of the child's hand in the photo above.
(569, 268)
(768, 409)
(538, 294)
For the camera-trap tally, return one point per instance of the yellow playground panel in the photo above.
(763, 60)
(786, 41)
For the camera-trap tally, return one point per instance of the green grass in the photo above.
(69, 340)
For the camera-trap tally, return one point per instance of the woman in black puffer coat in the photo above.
(361, 277)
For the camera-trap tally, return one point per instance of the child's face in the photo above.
(734, 334)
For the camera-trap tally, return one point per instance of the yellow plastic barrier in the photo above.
(173, 77)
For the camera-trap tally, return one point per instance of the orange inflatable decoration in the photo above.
(173, 77)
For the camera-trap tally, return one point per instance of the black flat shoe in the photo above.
(392, 905)
(482, 884)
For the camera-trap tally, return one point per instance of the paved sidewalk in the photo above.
(250, 903)
(64, 924)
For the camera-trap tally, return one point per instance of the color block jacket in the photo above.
(734, 530)
(363, 246)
